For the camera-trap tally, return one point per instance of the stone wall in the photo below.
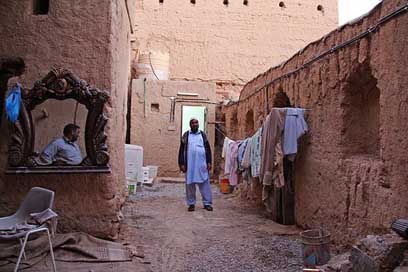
(91, 39)
(152, 129)
(350, 172)
(229, 43)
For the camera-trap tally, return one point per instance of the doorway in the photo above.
(197, 112)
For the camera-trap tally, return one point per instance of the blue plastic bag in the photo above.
(13, 103)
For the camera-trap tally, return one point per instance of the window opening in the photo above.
(361, 121)
(40, 7)
(155, 107)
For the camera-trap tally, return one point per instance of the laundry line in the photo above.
(226, 136)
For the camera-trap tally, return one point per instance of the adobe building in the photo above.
(228, 42)
(160, 115)
(351, 170)
(91, 39)
(214, 47)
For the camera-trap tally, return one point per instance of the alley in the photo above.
(234, 237)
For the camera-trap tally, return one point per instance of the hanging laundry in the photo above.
(13, 102)
(233, 162)
(241, 151)
(271, 172)
(270, 154)
(224, 154)
(256, 153)
(246, 160)
(271, 135)
(295, 127)
(277, 174)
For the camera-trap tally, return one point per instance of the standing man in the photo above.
(195, 160)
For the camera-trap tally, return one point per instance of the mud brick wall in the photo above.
(351, 170)
(229, 42)
(91, 38)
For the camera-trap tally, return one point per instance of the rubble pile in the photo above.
(375, 253)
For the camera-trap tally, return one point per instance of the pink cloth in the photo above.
(233, 162)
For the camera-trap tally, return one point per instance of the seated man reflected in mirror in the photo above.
(64, 150)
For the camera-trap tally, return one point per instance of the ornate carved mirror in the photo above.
(60, 84)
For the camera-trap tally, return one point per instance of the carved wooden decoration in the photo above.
(61, 84)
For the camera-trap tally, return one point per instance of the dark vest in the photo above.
(182, 156)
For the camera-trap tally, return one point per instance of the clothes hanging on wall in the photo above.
(224, 154)
(241, 151)
(233, 162)
(246, 162)
(270, 155)
(256, 153)
(272, 134)
(295, 127)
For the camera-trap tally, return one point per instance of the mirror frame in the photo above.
(60, 84)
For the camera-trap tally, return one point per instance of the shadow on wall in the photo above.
(361, 120)
(281, 100)
(234, 125)
(249, 123)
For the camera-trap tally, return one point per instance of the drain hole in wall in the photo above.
(320, 8)
(192, 2)
(282, 4)
(226, 2)
(246, 2)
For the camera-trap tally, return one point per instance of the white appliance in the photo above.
(134, 163)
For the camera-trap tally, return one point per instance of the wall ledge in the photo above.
(58, 170)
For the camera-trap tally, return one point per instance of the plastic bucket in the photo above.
(132, 188)
(145, 171)
(153, 169)
(315, 247)
(224, 185)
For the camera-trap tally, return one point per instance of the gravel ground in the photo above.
(234, 237)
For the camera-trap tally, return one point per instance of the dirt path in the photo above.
(231, 238)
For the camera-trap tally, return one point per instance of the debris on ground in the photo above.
(375, 253)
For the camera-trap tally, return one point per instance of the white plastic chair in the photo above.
(37, 200)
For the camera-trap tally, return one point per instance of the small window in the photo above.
(245, 2)
(40, 7)
(193, 2)
(161, 1)
(320, 8)
(154, 107)
(282, 4)
(226, 2)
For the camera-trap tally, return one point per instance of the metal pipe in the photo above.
(172, 108)
(144, 98)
